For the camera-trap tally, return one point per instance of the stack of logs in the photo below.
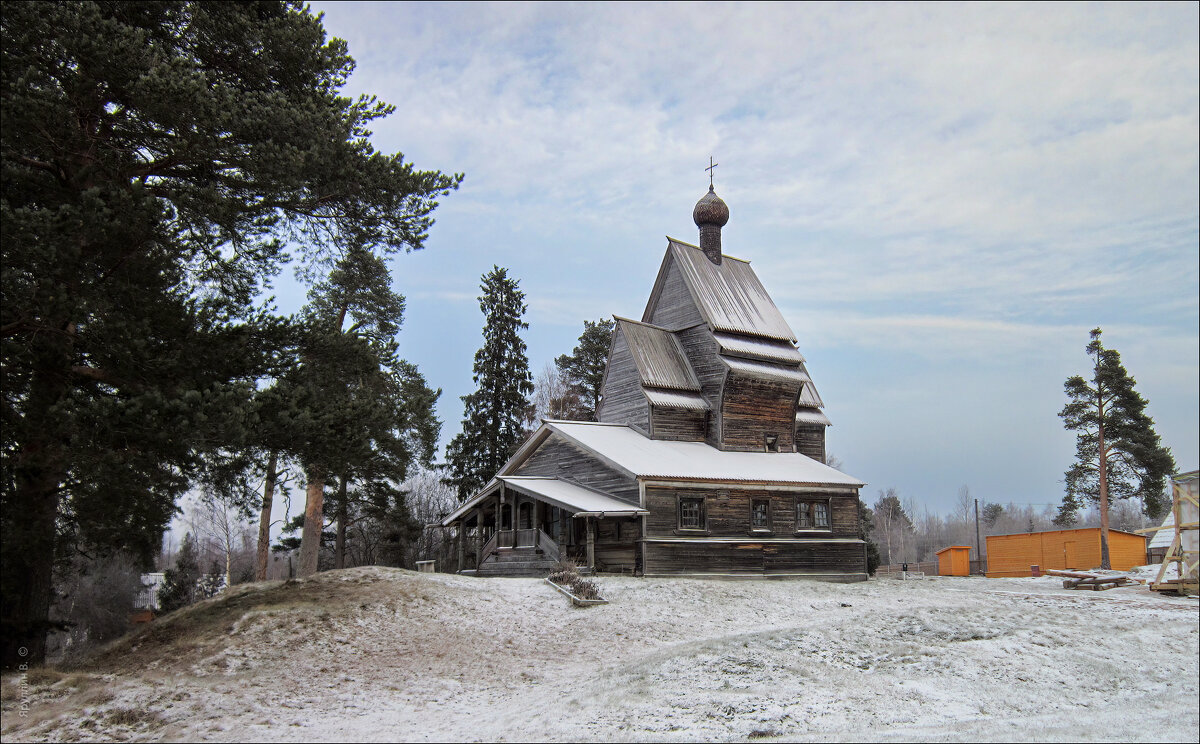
(1080, 580)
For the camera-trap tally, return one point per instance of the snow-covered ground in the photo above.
(382, 654)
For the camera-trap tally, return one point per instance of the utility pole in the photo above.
(978, 552)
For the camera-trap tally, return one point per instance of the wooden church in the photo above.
(708, 456)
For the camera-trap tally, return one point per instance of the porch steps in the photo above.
(517, 562)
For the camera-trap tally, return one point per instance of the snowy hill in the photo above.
(384, 654)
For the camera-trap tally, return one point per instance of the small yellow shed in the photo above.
(1015, 555)
(954, 560)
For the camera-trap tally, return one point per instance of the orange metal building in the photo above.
(954, 560)
(1013, 555)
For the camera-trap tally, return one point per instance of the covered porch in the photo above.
(523, 525)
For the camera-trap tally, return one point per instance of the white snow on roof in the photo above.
(809, 396)
(812, 416)
(781, 351)
(766, 369)
(577, 500)
(730, 296)
(651, 458)
(673, 399)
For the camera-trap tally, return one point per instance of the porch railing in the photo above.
(504, 538)
(487, 549)
(547, 545)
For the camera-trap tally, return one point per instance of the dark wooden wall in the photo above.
(683, 425)
(560, 459)
(728, 511)
(622, 401)
(810, 440)
(840, 561)
(752, 408)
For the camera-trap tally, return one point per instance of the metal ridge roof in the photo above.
(730, 295)
(659, 358)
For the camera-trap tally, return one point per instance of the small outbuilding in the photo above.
(954, 560)
(1016, 555)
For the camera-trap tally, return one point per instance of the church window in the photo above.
(691, 513)
(772, 442)
(812, 515)
(760, 514)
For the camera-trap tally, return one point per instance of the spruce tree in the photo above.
(583, 368)
(1118, 455)
(156, 159)
(181, 581)
(491, 425)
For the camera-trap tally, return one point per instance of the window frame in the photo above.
(812, 503)
(703, 500)
(770, 526)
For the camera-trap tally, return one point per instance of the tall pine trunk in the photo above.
(314, 521)
(28, 545)
(339, 549)
(1105, 563)
(264, 521)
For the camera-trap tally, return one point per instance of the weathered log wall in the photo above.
(682, 425)
(728, 511)
(835, 562)
(810, 440)
(752, 408)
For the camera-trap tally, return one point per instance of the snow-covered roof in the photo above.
(730, 296)
(766, 369)
(675, 399)
(761, 348)
(809, 396)
(812, 416)
(642, 457)
(658, 356)
(576, 500)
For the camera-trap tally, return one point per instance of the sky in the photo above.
(942, 199)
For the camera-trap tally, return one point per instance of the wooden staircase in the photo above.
(535, 554)
(517, 562)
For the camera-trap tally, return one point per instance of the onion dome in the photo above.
(710, 210)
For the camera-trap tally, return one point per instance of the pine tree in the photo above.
(1118, 455)
(156, 159)
(583, 368)
(491, 426)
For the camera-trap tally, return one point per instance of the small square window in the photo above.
(772, 442)
(691, 513)
(760, 514)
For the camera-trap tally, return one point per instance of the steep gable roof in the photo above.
(729, 296)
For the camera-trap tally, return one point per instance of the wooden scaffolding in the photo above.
(1183, 551)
